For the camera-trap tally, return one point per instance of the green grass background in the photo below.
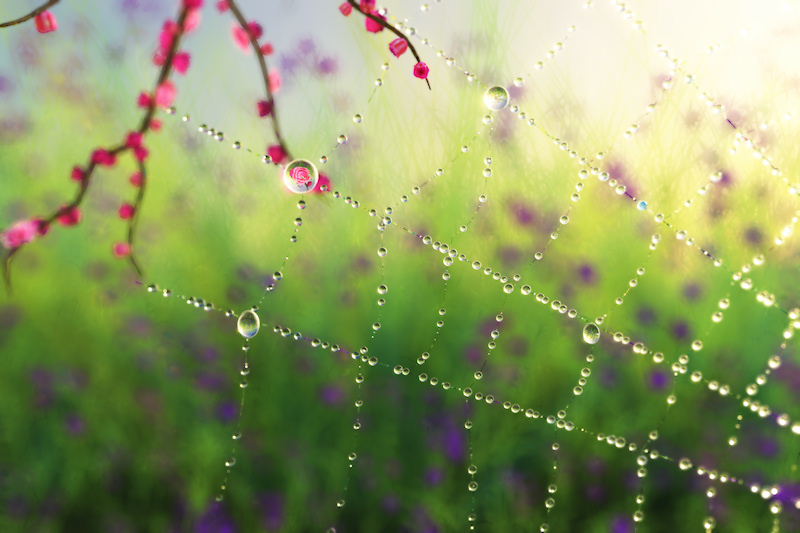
(113, 399)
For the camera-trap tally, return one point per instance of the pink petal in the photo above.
(274, 80)
(372, 26)
(222, 6)
(165, 94)
(421, 70)
(144, 100)
(69, 216)
(276, 153)
(133, 140)
(346, 9)
(136, 179)
(267, 49)
(193, 4)
(122, 249)
(78, 174)
(264, 108)
(159, 58)
(181, 62)
(45, 22)
(140, 153)
(155, 124)
(126, 211)
(255, 30)
(241, 38)
(20, 233)
(192, 20)
(398, 46)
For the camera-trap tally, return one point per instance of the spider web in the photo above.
(640, 180)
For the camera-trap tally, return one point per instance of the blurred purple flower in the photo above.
(331, 395)
(306, 46)
(621, 524)
(75, 425)
(227, 411)
(5, 85)
(658, 379)
(646, 316)
(753, 236)
(454, 444)
(680, 330)
(522, 214)
(587, 274)
(434, 476)
(215, 520)
(391, 504)
(692, 291)
(209, 381)
(328, 65)
(272, 510)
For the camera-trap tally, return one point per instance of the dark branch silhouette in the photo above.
(392, 29)
(30, 15)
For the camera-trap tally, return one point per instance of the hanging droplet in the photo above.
(248, 324)
(495, 98)
(591, 333)
(300, 176)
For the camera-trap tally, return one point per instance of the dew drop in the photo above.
(496, 98)
(300, 176)
(591, 333)
(248, 324)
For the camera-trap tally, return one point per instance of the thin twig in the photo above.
(135, 215)
(262, 63)
(392, 29)
(86, 181)
(30, 15)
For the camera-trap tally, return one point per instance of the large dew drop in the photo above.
(496, 98)
(248, 324)
(591, 333)
(300, 176)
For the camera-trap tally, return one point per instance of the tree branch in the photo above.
(392, 29)
(30, 15)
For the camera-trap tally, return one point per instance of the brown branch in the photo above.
(262, 63)
(392, 29)
(135, 216)
(122, 147)
(30, 15)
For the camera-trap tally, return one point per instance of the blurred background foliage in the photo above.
(118, 405)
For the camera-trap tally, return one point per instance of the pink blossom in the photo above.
(140, 153)
(192, 20)
(346, 9)
(42, 227)
(367, 6)
(398, 46)
(103, 157)
(181, 62)
(155, 124)
(240, 37)
(126, 211)
(255, 30)
(168, 33)
(133, 140)
(222, 6)
(264, 108)
(78, 174)
(24, 231)
(267, 49)
(421, 70)
(143, 100)
(122, 249)
(159, 58)
(69, 216)
(274, 81)
(372, 26)
(276, 153)
(136, 179)
(165, 94)
(45, 22)
(192, 4)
